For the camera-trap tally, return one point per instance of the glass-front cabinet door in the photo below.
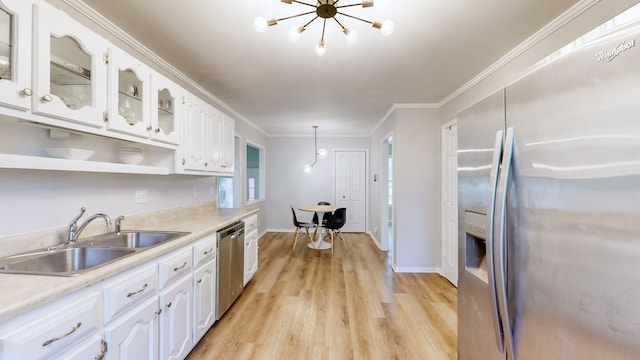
(166, 110)
(129, 95)
(70, 68)
(15, 54)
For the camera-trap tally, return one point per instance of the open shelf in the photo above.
(10, 161)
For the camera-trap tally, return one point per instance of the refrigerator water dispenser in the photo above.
(475, 226)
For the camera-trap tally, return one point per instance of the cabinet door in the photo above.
(129, 92)
(70, 70)
(15, 54)
(176, 319)
(250, 256)
(192, 146)
(134, 336)
(91, 348)
(166, 103)
(213, 145)
(204, 296)
(227, 134)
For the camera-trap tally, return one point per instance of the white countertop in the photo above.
(21, 293)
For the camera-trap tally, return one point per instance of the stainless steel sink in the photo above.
(86, 254)
(64, 261)
(132, 239)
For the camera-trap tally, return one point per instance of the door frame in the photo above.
(443, 204)
(366, 182)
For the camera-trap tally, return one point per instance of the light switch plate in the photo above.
(141, 196)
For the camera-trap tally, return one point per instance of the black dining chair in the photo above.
(334, 225)
(325, 217)
(302, 225)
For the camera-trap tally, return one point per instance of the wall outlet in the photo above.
(195, 192)
(141, 196)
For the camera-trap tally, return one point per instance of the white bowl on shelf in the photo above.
(69, 153)
(131, 155)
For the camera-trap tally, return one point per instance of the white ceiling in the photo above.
(284, 88)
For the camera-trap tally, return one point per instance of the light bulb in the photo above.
(321, 49)
(322, 153)
(294, 34)
(260, 24)
(387, 27)
(350, 35)
(307, 169)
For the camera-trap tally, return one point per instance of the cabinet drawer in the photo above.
(52, 328)
(129, 288)
(250, 224)
(204, 250)
(175, 265)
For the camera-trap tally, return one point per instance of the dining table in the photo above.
(319, 243)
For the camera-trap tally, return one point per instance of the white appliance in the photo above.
(549, 207)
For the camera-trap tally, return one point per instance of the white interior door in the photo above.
(351, 188)
(450, 203)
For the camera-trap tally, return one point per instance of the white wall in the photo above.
(34, 200)
(416, 187)
(289, 185)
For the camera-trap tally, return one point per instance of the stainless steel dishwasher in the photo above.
(230, 266)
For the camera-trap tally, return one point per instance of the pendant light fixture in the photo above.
(325, 10)
(322, 153)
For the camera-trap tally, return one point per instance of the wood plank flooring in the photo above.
(307, 304)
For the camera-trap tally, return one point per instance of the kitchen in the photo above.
(23, 193)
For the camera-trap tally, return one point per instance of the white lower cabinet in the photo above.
(134, 335)
(57, 330)
(204, 299)
(158, 310)
(176, 319)
(250, 247)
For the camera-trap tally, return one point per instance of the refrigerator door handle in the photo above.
(491, 271)
(500, 246)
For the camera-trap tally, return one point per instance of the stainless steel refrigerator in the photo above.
(549, 208)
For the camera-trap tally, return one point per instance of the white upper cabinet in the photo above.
(69, 68)
(227, 134)
(166, 110)
(129, 89)
(192, 152)
(15, 54)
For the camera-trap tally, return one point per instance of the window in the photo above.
(225, 192)
(255, 173)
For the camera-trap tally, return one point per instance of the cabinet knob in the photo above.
(159, 311)
(169, 304)
(183, 161)
(47, 98)
(149, 128)
(27, 92)
(157, 130)
(206, 164)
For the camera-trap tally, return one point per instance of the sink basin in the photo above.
(133, 239)
(63, 262)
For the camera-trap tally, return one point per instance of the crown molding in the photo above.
(111, 28)
(573, 12)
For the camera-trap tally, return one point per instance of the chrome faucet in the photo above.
(116, 227)
(74, 231)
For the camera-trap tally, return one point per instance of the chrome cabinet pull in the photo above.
(159, 311)
(46, 98)
(208, 252)
(169, 304)
(149, 128)
(199, 281)
(138, 291)
(52, 340)
(27, 92)
(157, 130)
(180, 267)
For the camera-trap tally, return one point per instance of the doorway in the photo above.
(450, 202)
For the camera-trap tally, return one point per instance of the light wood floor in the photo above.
(307, 304)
